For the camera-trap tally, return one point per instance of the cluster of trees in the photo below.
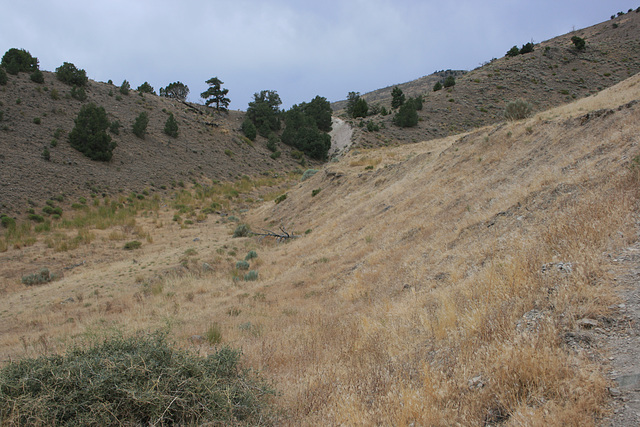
(449, 81)
(306, 125)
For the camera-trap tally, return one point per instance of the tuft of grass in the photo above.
(214, 334)
(251, 276)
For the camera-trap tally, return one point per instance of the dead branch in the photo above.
(279, 236)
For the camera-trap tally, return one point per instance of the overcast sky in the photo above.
(298, 48)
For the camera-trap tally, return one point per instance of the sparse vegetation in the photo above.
(41, 277)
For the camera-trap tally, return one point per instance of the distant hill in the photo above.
(553, 74)
(209, 146)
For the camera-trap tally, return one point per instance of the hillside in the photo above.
(466, 280)
(554, 74)
(209, 146)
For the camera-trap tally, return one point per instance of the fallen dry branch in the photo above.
(280, 236)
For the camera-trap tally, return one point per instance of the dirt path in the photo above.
(624, 342)
(340, 136)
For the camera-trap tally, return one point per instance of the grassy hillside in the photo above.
(554, 74)
(436, 283)
(209, 146)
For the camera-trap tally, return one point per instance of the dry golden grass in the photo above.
(404, 303)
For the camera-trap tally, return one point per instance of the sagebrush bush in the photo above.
(308, 174)
(139, 380)
(518, 110)
(242, 230)
(251, 276)
(89, 135)
(251, 255)
(7, 222)
(71, 75)
(39, 278)
(242, 265)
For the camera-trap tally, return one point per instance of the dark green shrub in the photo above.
(37, 120)
(518, 110)
(272, 142)
(134, 244)
(55, 95)
(37, 76)
(43, 276)
(514, 51)
(1, 115)
(407, 116)
(69, 74)
(7, 222)
(3, 77)
(47, 210)
(35, 217)
(89, 135)
(125, 87)
(114, 127)
(242, 230)
(251, 255)
(579, 43)
(78, 92)
(146, 88)
(251, 276)
(526, 48)
(171, 126)
(372, 126)
(242, 265)
(249, 129)
(140, 125)
(17, 60)
(280, 198)
(315, 192)
(397, 97)
(264, 112)
(137, 380)
(449, 81)
(46, 155)
(356, 105)
(275, 155)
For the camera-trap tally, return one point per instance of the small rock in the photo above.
(586, 323)
(197, 239)
(67, 301)
(615, 392)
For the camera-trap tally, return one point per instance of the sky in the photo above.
(298, 48)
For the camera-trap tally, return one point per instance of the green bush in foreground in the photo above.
(139, 380)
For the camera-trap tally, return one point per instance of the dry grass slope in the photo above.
(438, 283)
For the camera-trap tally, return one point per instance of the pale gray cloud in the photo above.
(298, 48)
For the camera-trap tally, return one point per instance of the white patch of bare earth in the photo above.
(341, 134)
